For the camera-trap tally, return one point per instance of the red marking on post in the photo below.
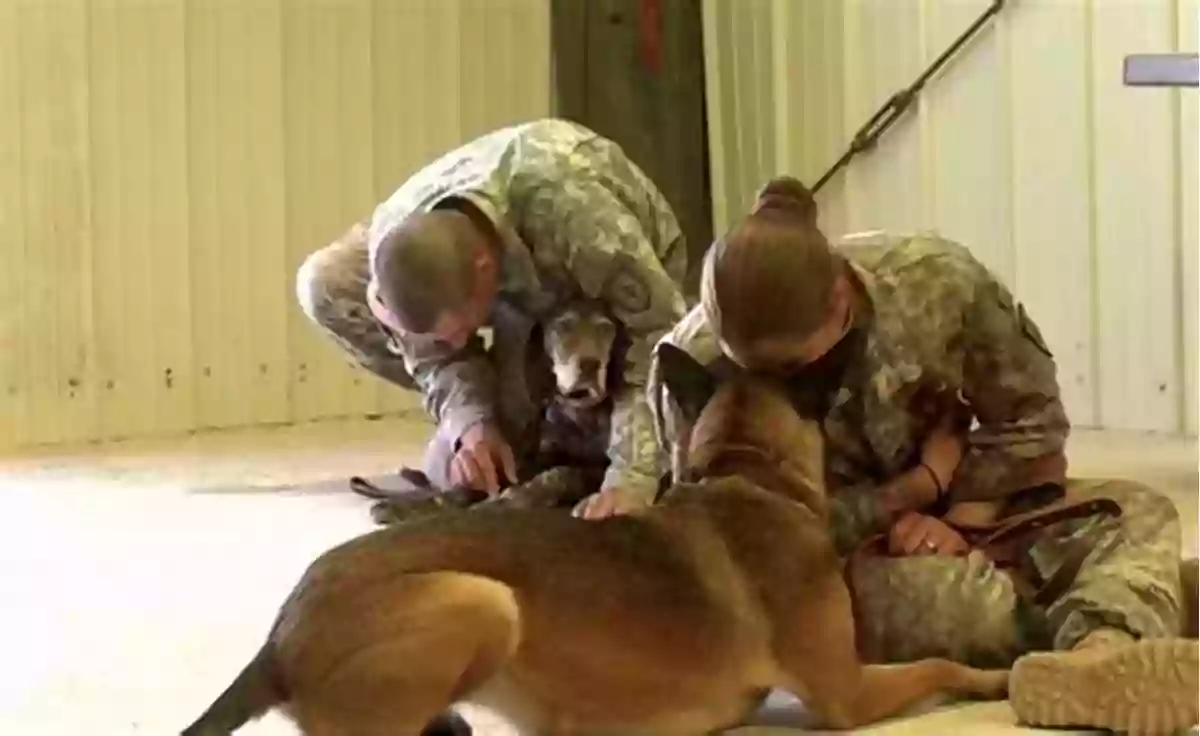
(651, 36)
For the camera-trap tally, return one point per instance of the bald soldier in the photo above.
(895, 343)
(501, 232)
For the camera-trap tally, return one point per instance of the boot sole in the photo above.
(1150, 687)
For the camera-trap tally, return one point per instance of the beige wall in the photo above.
(1079, 192)
(165, 165)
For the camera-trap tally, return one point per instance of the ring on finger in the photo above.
(928, 544)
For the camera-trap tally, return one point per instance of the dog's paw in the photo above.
(988, 684)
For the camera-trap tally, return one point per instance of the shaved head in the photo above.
(426, 266)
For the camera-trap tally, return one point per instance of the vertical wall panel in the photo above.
(746, 162)
(825, 113)
(261, 250)
(474, 65)
(855, 78)
(1135, 245)
(140, 218)
(754, 98)
(1051, 215)
(233, 48)
(789, 104)
(741, 86)
(202, 44)
(504, 63)
(173, 373)
(719, 104)
(314, 357)
(166, 166)
(970, 128)
(328, 92)
(14, 323)
(1189, 218)
(761, 19)
(52, 48)
(884, 38)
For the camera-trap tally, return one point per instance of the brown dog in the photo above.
(674, 620)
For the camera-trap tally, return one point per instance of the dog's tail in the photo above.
(253, 692)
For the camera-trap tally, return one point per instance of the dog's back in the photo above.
(675, 619)
(619, 609)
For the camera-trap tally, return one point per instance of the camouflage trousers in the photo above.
(966, 609)
(331, 286)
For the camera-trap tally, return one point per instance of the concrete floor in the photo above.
(136, 582)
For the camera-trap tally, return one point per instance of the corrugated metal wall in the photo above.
(165, 165)
(1079, 192)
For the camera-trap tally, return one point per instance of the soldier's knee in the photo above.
(325, 281)
(1143, 500)
(311, 285)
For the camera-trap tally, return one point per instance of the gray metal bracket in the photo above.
(1162, 70)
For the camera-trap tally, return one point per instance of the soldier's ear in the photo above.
(691, 384)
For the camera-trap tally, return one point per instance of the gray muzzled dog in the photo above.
(575, 362)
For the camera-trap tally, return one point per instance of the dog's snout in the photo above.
(578, 394)
(589, 366)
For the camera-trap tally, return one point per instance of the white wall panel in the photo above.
(55, 155)
(970, 130)
(1078, 192)
(1051, 227)
(140, 236)
(236, 113)
(1189, 218)
(884, 39)
(15, 424)
(330, 140)
(1134, 149)
(166, 166)
(738, 90)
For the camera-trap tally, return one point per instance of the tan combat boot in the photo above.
(1111, 681)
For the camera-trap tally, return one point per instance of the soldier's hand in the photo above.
(918, 534)
(484, 460)
(609, 502)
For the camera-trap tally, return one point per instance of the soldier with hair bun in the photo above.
(942, 412)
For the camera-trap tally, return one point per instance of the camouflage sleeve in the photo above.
(458, 388)
(608, 252)
(856, 515)
(1010, 383)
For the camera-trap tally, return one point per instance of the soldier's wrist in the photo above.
(456, 424)
(634, 487)
(915, 489)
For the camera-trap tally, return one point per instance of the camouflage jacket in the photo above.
(940, 322)
(576, 217)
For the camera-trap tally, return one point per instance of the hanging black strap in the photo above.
(899, 103)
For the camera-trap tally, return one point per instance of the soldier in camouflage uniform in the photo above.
(501, 232)
(874, 337)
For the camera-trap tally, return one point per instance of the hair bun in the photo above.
(790, 195)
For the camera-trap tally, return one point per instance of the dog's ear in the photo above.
(691, 384)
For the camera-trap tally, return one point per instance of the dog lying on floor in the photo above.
(577, 359)
(676, 619)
